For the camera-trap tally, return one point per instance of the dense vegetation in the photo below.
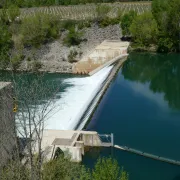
(62, 168)
(159, 28)
(32, 3)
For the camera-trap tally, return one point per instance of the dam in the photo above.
(79, 101)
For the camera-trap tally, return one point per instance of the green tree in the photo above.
(144, 29)
(126, 22)
(73, 37)
(108, 168)
(36, 30)
(63, 168)
(13, 11)
(167, 15)
(5, 45)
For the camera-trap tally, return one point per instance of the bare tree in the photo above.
(34, 103)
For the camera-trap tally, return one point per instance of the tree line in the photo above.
(158, 29)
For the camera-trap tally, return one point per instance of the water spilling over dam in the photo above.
(74, 102)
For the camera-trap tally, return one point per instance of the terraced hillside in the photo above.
(86, 11)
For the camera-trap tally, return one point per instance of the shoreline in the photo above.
(100, 93)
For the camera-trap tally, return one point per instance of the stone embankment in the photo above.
(54, 56)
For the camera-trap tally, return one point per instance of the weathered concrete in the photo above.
(70, 142)
(103, 53)
(7, 122)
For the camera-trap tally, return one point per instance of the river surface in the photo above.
(142, 109)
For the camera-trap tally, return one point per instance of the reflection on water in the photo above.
(161, 72)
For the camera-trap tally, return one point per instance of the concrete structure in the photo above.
(102, 54)
(70, 142)
(7, 122)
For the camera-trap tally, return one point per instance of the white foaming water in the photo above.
(75, 100)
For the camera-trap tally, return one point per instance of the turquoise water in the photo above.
(142, 109)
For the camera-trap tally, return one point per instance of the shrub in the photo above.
(84, 24)
(72, 55)
(144, 29)
(68, 24)
(73, 37)
(126, 22)
(39, 29)
(13, 11)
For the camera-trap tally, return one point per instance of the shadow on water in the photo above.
(176, 178)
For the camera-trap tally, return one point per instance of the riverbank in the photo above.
(53, 57)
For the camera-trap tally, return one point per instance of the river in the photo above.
(141, 108)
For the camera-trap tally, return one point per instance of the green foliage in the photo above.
(5, 45)
(73, 38)
(144, 29)
(13, 11)
(15, 171)
(167, 15)
(126, 22)
(72, 55)
(68, 24)
(62, 168)
(106, 169)
(84, 24)
(39, 29)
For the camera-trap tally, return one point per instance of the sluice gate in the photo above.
(148, 155)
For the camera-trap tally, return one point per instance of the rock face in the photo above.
(54, 56)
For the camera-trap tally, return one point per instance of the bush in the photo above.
(68, 24)
(126, 22)
(144, 29)
(72, 55)
(39, 29)
(13, 11)
(84, 24)
(5, 45)
(73, 38)
(108, 168)
(62, 168)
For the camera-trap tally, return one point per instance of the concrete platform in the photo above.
(102, 54)
(70, 142)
